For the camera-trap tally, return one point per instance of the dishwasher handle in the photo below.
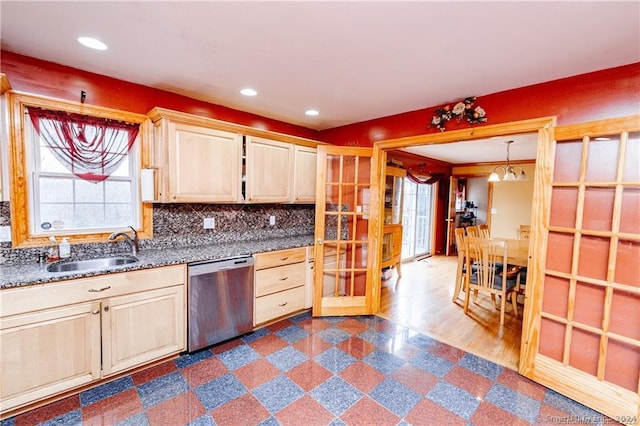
(219, 265)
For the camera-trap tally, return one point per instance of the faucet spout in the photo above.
(133, 242)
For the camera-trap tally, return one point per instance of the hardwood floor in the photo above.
(421, 300)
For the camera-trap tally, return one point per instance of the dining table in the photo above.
(517, 254)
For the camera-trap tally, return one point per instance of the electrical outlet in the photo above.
(5, 233)
(209, 223)
(272, 220)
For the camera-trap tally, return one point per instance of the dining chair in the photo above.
(473, 231)
(460, 267)
(486, 273)
(483, 231)
(523, 232)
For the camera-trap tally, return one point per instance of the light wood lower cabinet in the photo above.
(47, 352)
(280, 283)
(60, 336)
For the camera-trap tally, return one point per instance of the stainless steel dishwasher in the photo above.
(220, 301)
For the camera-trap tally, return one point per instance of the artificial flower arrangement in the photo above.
(465, 109)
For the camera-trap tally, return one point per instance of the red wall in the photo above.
(32, 75)
(614, 92)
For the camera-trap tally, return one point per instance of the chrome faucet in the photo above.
(133, 242)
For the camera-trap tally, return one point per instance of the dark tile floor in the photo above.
(319, 371)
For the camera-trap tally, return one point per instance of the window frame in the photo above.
(22, 234)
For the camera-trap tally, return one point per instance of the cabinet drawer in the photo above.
(26, 299)
(278, 304)
(280, 278)
(279, 258)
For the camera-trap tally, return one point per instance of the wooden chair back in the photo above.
(473, 231)
(523, 232)
(483, 231)
(487, 271)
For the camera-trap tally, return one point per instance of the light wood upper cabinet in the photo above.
(269, 169)
(196, 164)
(304, 174)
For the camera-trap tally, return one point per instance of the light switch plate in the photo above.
(209, 223)
(5, 233)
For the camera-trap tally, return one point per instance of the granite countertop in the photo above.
(19, 275)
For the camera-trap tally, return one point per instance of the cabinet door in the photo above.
(304, 174)
(269, 171)
(204, 164)
(47, 352)
(141, 327)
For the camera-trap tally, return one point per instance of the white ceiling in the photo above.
(524, 147)
(352, 60)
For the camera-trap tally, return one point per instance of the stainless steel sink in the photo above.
(91, 264)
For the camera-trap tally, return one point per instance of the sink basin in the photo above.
(91, 264)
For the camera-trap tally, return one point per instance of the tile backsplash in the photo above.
(182, 225)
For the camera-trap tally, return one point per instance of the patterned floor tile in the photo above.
(287, 358)
(256, 373)
(335, 359)
(427, 412)
(204, 371)
(473, 383)
(106, 390)
(162, 388)
(220, 391)
(144, 376)
(395, 396)
(361, 370)
(309, 374)
(113, 409)
(489, 414)
(278, 393)
(454, 399)
(368, 412)
(268, 344)
(362, 376)
(48, 412)
(178, 410)
(336, 395)
(356, 347)
(383, 361)
(312, 345)
(415, 378)
(304, 411)
(513, 402)
(244, 410)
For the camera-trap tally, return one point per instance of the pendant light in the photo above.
(509, 173)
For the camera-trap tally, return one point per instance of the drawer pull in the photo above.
(284, 258)
(96, 312)
(283, 304)
(284, 278)
(93, 290)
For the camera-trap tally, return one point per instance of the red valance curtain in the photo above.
(427, 180)
(92, 148)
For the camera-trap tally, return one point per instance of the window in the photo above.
(54, 196)
(61, 200)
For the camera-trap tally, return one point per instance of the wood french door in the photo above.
(343, 275)
(581, 330)
(451, 215)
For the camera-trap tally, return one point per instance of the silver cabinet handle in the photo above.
(96, 312)
(93, 290)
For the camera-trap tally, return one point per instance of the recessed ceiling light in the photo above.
(311, 112)
(249, 92)
(92, 43)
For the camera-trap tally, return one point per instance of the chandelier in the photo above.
(509, 173)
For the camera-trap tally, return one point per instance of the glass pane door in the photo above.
(416, 220)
